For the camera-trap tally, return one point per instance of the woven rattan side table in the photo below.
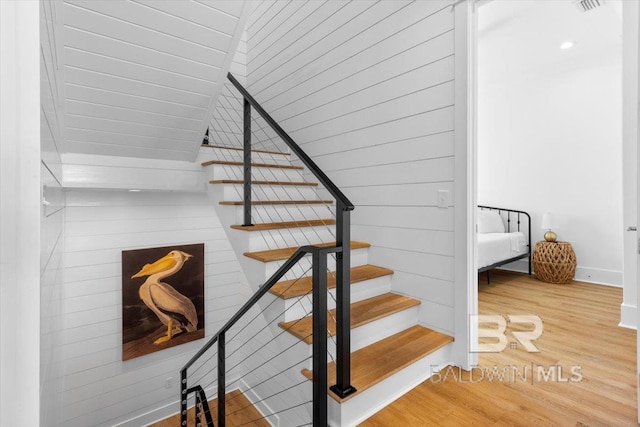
(554, 262)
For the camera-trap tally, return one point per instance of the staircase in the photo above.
(390, 352)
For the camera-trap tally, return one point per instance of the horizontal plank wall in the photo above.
(52, 218)
(226, 126)
(366, 88)
(100, 389)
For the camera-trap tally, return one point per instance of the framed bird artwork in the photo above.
(162, 298)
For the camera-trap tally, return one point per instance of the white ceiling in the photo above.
(524, 36)
(142, 76)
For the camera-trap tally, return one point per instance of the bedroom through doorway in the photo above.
(549, 128)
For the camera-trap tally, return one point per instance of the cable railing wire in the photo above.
(228, 349)
(246, 325)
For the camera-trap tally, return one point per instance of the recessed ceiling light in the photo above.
(135, 191)
(567, 45)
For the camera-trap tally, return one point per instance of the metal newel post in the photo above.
(221, 380)
(343, 385)
(320, 381)
(247, 163)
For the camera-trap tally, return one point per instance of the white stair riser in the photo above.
(238, 156)
(280, 213)
(234, 192)
(287, 237)
(295, 308)
(257, 173)
(382, 328)
(234, 215)
(377, 330)
(365, 404)
(358, 257)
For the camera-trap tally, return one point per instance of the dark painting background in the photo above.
(140, 325)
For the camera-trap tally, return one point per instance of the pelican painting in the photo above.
(169, 288)
(174, 310)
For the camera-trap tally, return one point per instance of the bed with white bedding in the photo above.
(503, 237)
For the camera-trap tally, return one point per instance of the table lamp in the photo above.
(547, 224)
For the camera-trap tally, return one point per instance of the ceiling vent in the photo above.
(587, 5)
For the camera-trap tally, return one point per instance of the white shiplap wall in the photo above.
(100, 389)
(226, 127)
(52, 219)
(367, 89)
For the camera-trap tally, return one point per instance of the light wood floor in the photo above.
(580, 332)
(240, 412)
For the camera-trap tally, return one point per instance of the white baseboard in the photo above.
(599, 276)
(259, 404)
(628, 317)
(158, 414)
(583, 274)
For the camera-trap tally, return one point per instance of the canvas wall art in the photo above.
(162, 298)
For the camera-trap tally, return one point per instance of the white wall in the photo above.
(630, 97)
(19, 214)
(366, 89)
(99, 388)
(549, 125)
(52, 219)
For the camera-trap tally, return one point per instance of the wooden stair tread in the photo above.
(285, 253)
(362, 312)
(222, 147)
(239, 412)
(237, 181)
(277, 202)
(297, 287)
(285, 224)
(378, 361)
(257, 165)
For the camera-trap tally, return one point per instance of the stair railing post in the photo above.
(221, 380)
(198, 406)
(320, 380)
(343, 385)
(183, 397)
(247, 163)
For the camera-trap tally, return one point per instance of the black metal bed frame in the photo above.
(509, 213)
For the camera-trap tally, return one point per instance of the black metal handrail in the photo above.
(317, 172)
(344, 207)
(319, 351)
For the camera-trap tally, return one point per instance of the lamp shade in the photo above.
(547, 221)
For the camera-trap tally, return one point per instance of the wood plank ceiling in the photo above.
(142, 77)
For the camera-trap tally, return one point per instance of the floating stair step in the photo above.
(278, 202)
(237, 181)
(285, 224)
(257, 165)
(298, 287)
(380, 360)
(362, 312)
(222, 147)
(285, 253)
(239, 411)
